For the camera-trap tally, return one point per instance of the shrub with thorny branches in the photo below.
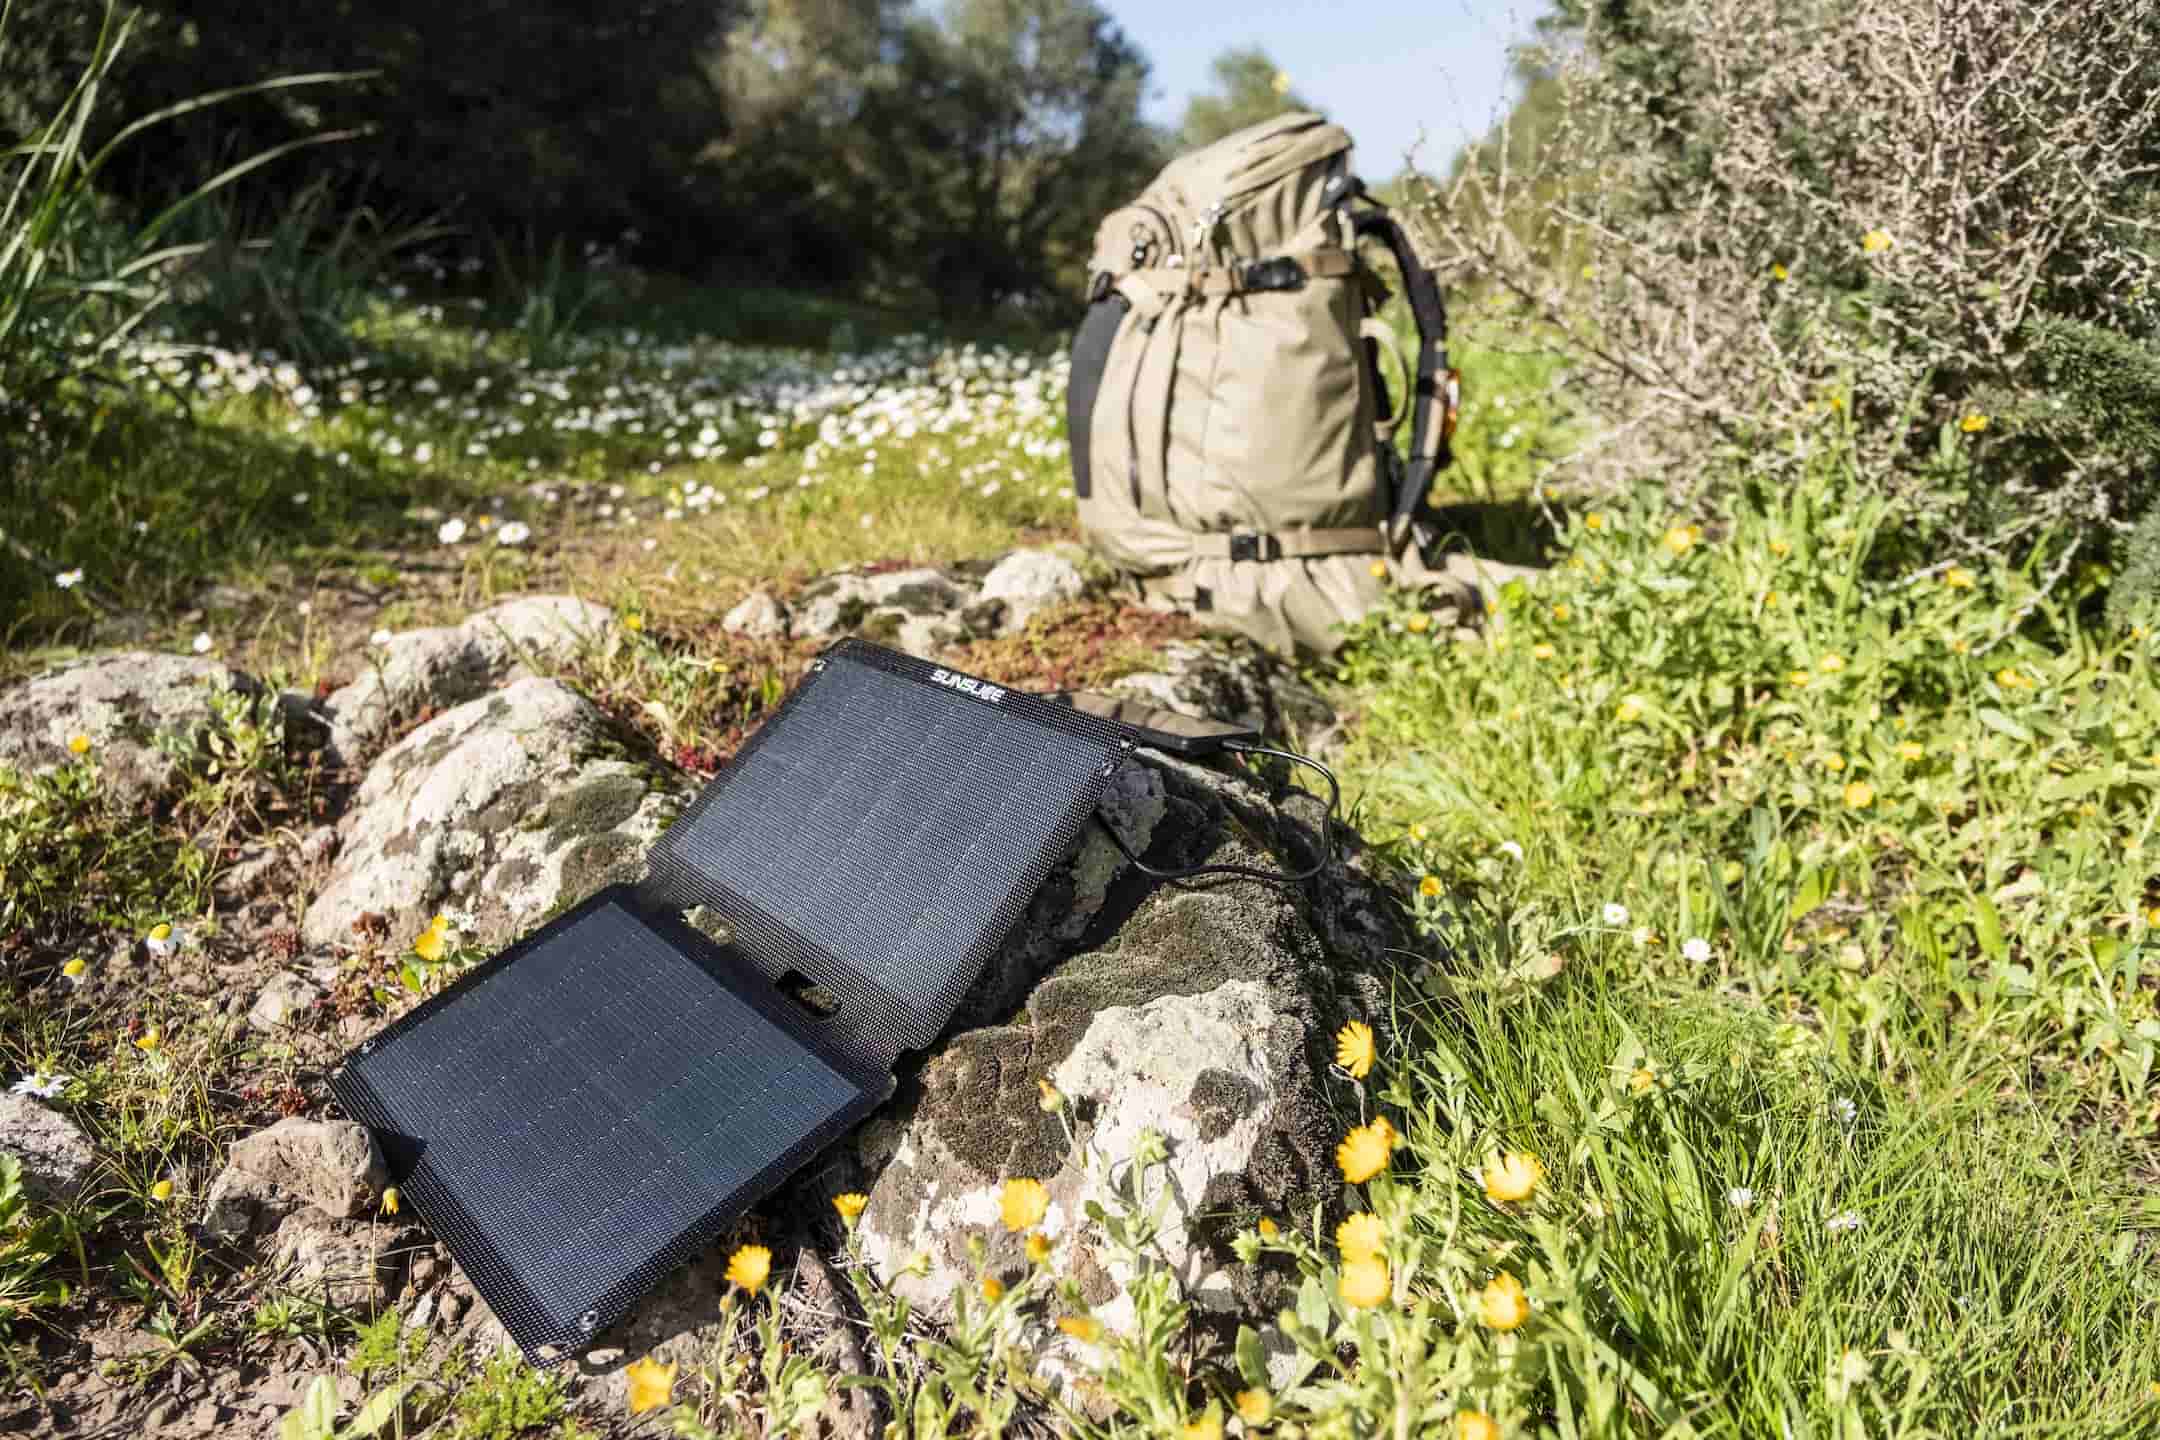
(1931, 220)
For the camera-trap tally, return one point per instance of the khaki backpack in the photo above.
(1233, 443)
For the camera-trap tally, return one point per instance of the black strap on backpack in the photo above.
(1436, 389)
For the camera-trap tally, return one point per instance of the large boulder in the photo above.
(503, 809)
(450, 664)
(1203, 1014)
(122, 702)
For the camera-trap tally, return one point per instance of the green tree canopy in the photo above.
(1249, 88)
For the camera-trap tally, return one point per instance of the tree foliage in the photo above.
(1249, 88)
(961, 154)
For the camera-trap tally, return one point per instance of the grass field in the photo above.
(1784, 890)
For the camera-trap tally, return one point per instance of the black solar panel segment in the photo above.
(592, 1107)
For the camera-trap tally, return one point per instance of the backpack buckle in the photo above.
(1280, 273)
(1255, 547)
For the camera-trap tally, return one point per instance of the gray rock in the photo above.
(339, 1260)
(1223, 678)
(286, 998)
(1205, 1014)
(841, 604)
(758, 617)
(449, 665)
(1029, 581)
(332, 1165)
(836, 604)
(122, 702)
(57, 1158)
(507, 807)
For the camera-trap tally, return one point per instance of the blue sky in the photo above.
(1383, 68)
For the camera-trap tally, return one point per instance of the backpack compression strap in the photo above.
(1435, 388)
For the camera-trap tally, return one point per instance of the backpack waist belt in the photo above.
(1288, 545)
(1246, 277)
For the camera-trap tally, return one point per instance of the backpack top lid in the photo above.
(1262, 184)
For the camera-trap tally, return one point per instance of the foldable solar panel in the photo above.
(587, 1110)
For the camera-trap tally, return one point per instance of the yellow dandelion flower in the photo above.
(750, 1267)
(78, 744)
(1022, 1204)
(1354, 1049)
(1207, 1427)
(1419, 832)
(150, 1039)
(1973, 423)
(1418, 624)
(1957, 577)
(1255, 1407)
(2009, 678)
(1770, 600)
(1779, 273)
(161, 932)
(652, 1384)
(1960, 646)
(1541, 652)
(390, 1199)
(1593, 521)
(1799, 679)
(1268, 1228)
(993, 1289)
(1911, 751)
(1642, 1081)
(1365, 1282)
(1780, 548)
(1680, 538)
(430, 945)
(1429, 887)
(1084, 1328)
(1561, 613)
(1502, 1304)
(1038, 1248)
(1628, 711)
(162, 1191)
(851, 1205)
(1834, 763)
(74, 968)
(633, 622)
(1512, 1176)
(1859, 795)
(2152, 917)
(1830, 664)
(1876, 241)
(1363, 1153)
(1476, 1424)
(1361, 1235)
(1378, 569)
(1048, 1097)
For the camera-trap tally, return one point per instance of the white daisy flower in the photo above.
(452, 531)
(1616, 914)
(44, 1084)
(517, 532)
(1512, 850)
(202, 643)
(1740, 1197)
(1696, 950)
(68, 579)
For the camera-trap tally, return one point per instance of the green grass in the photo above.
(1964, 950)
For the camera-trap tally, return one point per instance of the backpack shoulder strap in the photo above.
(1436, 388)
